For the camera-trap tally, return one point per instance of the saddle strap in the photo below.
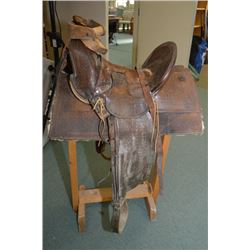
(148, 98)
(155, 117)
(146, 92)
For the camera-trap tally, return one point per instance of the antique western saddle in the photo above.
(128, 108)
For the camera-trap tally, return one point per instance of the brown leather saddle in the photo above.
(130, 109)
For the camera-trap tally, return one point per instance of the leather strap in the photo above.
(155, 116)
(146, 91)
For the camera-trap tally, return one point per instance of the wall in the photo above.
(96, 10)
(159, 22)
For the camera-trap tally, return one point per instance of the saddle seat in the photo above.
(119, 86)
(125, 99)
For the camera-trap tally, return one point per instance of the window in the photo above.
(123, 2)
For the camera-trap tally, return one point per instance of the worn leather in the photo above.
(125, 99)
(160, 62)
(83, 60)
(89, 32)
(176, 117)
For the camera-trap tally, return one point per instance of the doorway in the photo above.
(121, 23)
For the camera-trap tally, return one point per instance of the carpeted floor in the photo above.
(182, 208)
(121, 51)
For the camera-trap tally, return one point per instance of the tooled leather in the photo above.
(85, 73)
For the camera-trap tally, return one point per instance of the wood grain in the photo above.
(105, 194)
(72, 156)
(155, 178)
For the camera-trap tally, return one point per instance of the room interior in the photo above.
(182, 207)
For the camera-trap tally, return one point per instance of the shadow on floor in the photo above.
(98, 169)
(62, 163)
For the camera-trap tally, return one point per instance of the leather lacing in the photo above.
(99, 107)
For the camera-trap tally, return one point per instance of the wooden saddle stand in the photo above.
(135, 111)
(81, 196)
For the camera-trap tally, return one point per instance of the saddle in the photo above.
(127, 108)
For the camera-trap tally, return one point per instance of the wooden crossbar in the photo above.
(82, 196)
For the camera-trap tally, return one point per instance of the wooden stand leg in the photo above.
(83, 196)
(151, 206)
(81, 213)
(73, 173)
(155, 178)
(87, 196)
